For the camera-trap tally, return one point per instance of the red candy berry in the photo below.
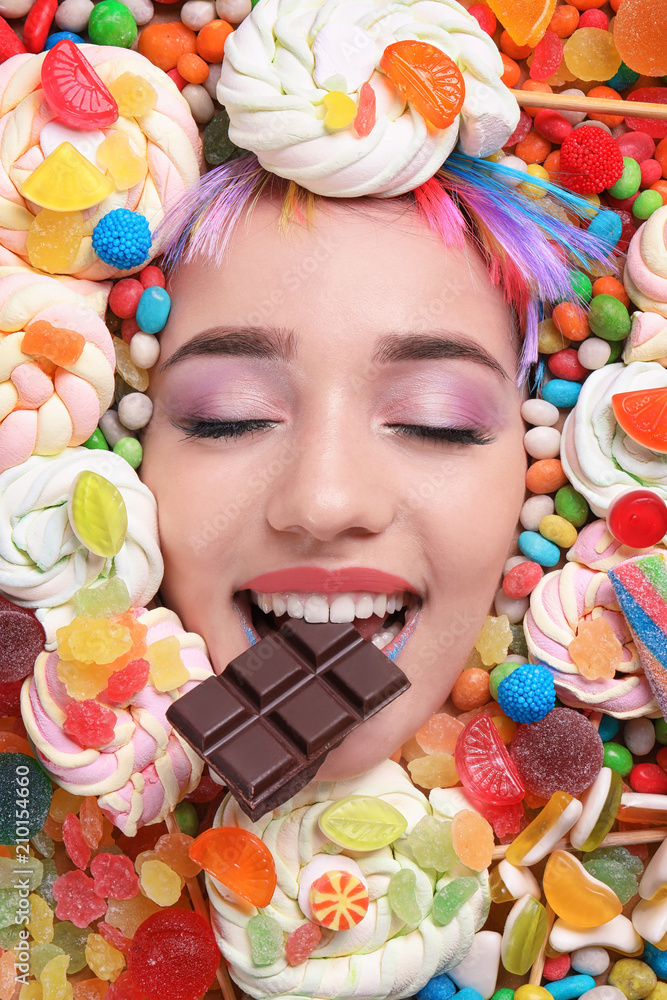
(594, 18)
(10, 43)
(522, 579)
(590, 160)
(173, 955)
(547, 56)
(651, 172)
(484, 16)
(556, 968)
(114, 876)
(124, 297)
(637, 518)
(151, 277)
(649, 778)
(89, 723)
(77, 900)
(125, 683)
(75, 843)
(565, 364)
(301, 943)
(484, 765)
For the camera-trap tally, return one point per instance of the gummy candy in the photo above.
(45, 887)
(439, 734)
(167, 671)
(82, 681)
(77, 900)
(365, 117)
(505, 820)
(93, 640)
(32, 872)
(484, 765)
(89, 723)
(41, 955)
(641, 415)
(21, 640)
(134, 95)
(362, 823)
(98, 516)
(402, 896)
(591, 54)
(523, 935)
(558, 816)
(7, 975)
(9, 907)
(600, 807)
(173, 849)
(266, 939)
(640, 41)
(125, 683)
(637, 518)
(577, 896)
(427, 78)
(160, 883)
(524, 20)
(104, 600)
(90, 817)
(66, 182)
(43, 844)
(472, 839)
(103, 959)
(430, 842)
(238, 859)
(114, 936)
(40, 923)
(437, 770)
(187, 818)
(547, 56)
(561, 752)
(22, 779)
(174, 955)
(54, 240)
(595, 651)
(72, 940)
(114, 877)
(90, 989)
(75, 843)
(340, 110)
(73, 89)
(338, 900)
(494, 640)
(449, 899)
(125, 167)
(301, 943)
(617, 868)
(31, 990)
(128, 914)
(62, 347)
(54, 979)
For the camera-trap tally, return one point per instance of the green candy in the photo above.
(9, 907)
(43, 844)
(10, 935)
(498, 675)
(608, 318)
(614, 867)
(629, 181)
(448, 901)
(45, 889)
(582, 286)
(616, 351)
(572, 506)
(661, 731)
(503, 994)
(430, 843)
(528, 931)
(187, 818)
(218, 147)
(22, 780)
(621, 855)
(646, 203)
(73, 940)
(96, 441)
(518, 644)
(41, 955)
(129, 449)
(633, 978)
(109, 598)
(266, 939)
(402, 896)
(31, 869)
(618, 758)
(112, 23)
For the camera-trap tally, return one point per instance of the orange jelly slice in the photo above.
(427, 78)
(525, 20)
(643, 416)
(238, 859)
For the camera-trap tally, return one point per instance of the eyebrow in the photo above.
(280, 344)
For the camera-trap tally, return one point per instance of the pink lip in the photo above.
(328, 581)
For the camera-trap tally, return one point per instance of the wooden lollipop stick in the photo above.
(201, 908)
(538, 964)
(591, 105)
(625, 838)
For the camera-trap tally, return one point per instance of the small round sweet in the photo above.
(515, 608)
(112, 428)
(122, 238)
(594, 353)
(59, 36)
(512, 562)
(153, 309)
(96, 441)
(129, 449)
(112, 23)
(187, 818)
(498, 675)
(637, 518)
(528, 693)
(603, 993)
(471, 689)
(538, 548)
(572, 506)
(135, 410)
(542, 442)
(607, 226)
(639, 736)
(609, 318)
(629, 181)
(591, 961)
(534, 509)
(656, 958)
(173, 954)
(124, 297)
(535, 190)
(142, 10)
(201, 105)
(617, 757)
(549, 338)
(561, 752)
(635, 979)
(196, 13)
(559, 531)
(539, 413)
(561, 392)
(646, 203)
(521, 580)
(582, 286)
(530, 992)
(608, 728)
(512, 163)
(649, 779)
(556, 968)
(438, 988)
(660, 731)
(22, 780)
(144, 350)
(73, 15)
(574, 117)
(233, 11)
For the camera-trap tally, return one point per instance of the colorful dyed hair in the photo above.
(528, 245)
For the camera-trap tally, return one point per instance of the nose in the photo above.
(336, 482)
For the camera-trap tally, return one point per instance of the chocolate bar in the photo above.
(268, 721)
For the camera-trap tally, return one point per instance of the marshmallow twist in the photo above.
(645, 276)
(647, 340)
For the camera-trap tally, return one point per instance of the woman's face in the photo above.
(331, 351)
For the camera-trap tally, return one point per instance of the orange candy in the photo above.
(511, 49)
(90, 989)
(641, 415)
(472, 839)
(173, 849)
(588, 4)
(661, 155)
(511, 71)
(639, 31)
(525, 20)
(192, 68)
(53, 829)
(608, 285)
(608, 93)
(92, 821)
(533, 149)
(565, 20)
(11, 743)
(338, 900)
(427, 78)
(571, 320)
(536, 87)
(211, 40)
(552, 164)
(661, 188)
(239, 860)
(439, 734)
(471, 689)
(545, 476)
(62, 347)
(164, 44)
(595, 651)
(505, 726)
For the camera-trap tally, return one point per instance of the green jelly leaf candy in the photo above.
(266, 939)
(402, 896)
(362, 823)
(104, 599)
(451, 897)
(97, 513)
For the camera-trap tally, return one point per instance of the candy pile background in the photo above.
(512, 841)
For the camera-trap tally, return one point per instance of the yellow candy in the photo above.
(54, 239)
(93, 640)
(493, 641)
(341, 110)
(133, 95)
(549, 338)
(575, 895)
(534, 190)
(40, 924)
(591, 54)
(66, 182)
(558, 816)
(362, 823)
(125, 167)
(31, 991)
(103, 959)
(530, 992)
(135, 377)
(160, 883)
(437, 770)
(55, 985)
(83, 680)
(167, 671)
(557, 530)
(98, 516)
(128, 914)
(62, 803)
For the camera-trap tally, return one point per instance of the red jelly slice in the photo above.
(643, 416)
(427, 78)
(73, 89)
(485, 767)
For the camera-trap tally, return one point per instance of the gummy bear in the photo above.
(134, 95)
(89, 723)
(427, 78)
(266, 939)
(595, 651)
(103, 959)
(125, 683)
(62, 347)
(167, 671)
(449, 899)
(160, 883)
(301, 943)
(472, 839)
(430, 843)
(66, 182)
(437, 770)
(104, 600)
(494, 640)
(125, 167)
(82, 681)
(160, 960)
(402, 896)
(98, 516)
(54, 240)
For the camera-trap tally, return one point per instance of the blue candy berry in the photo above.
(438, 988)
(528, 693)
(122, 239)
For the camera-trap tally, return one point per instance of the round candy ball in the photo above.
(135, 410)
(22, 780)
(111, 23)
(173, 955)
(639, 736)
(609, 318)
(73, 15)
(129, 449)
(528, 693)
(561, 752)
(122, 238)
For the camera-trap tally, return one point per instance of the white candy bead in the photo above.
(591, 962)
(592, 124)
(534, 509)
(142, 11)
(515, 658)
(594, 353)
(112, 428)
(639, 736)
(542, 442)
(618, 934)
(515, 163)
(514, 561)
(201, 105)
(574, 117)
(73, 15)
(233, 10)
(514, 608)
(144, 349)
(605, 992)
(15, 8)
(135, 410)
(539, 412)
(196, 13)
(479, 969)
(211, 82)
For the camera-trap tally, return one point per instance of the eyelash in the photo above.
(230, 429)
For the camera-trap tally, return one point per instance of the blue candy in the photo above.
(122, 239)
(539, 549)
(561, 392)
(570, 987)
(608, 226)
(58, 37)
(656, 959)
(442, 988)
(528, 693)
(608, 728)
(623, 78)
(153, 309)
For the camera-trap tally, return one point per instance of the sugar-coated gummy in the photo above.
(173, 954)
(72, 939)
(438, 988)
(561, 752)
(18, 773)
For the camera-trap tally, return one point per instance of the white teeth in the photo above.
(342, 608)
(316, 608)
(380, 605)
(294, 606)
(320, 607)
(382, 639)
(364, 606)
(279, 605)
